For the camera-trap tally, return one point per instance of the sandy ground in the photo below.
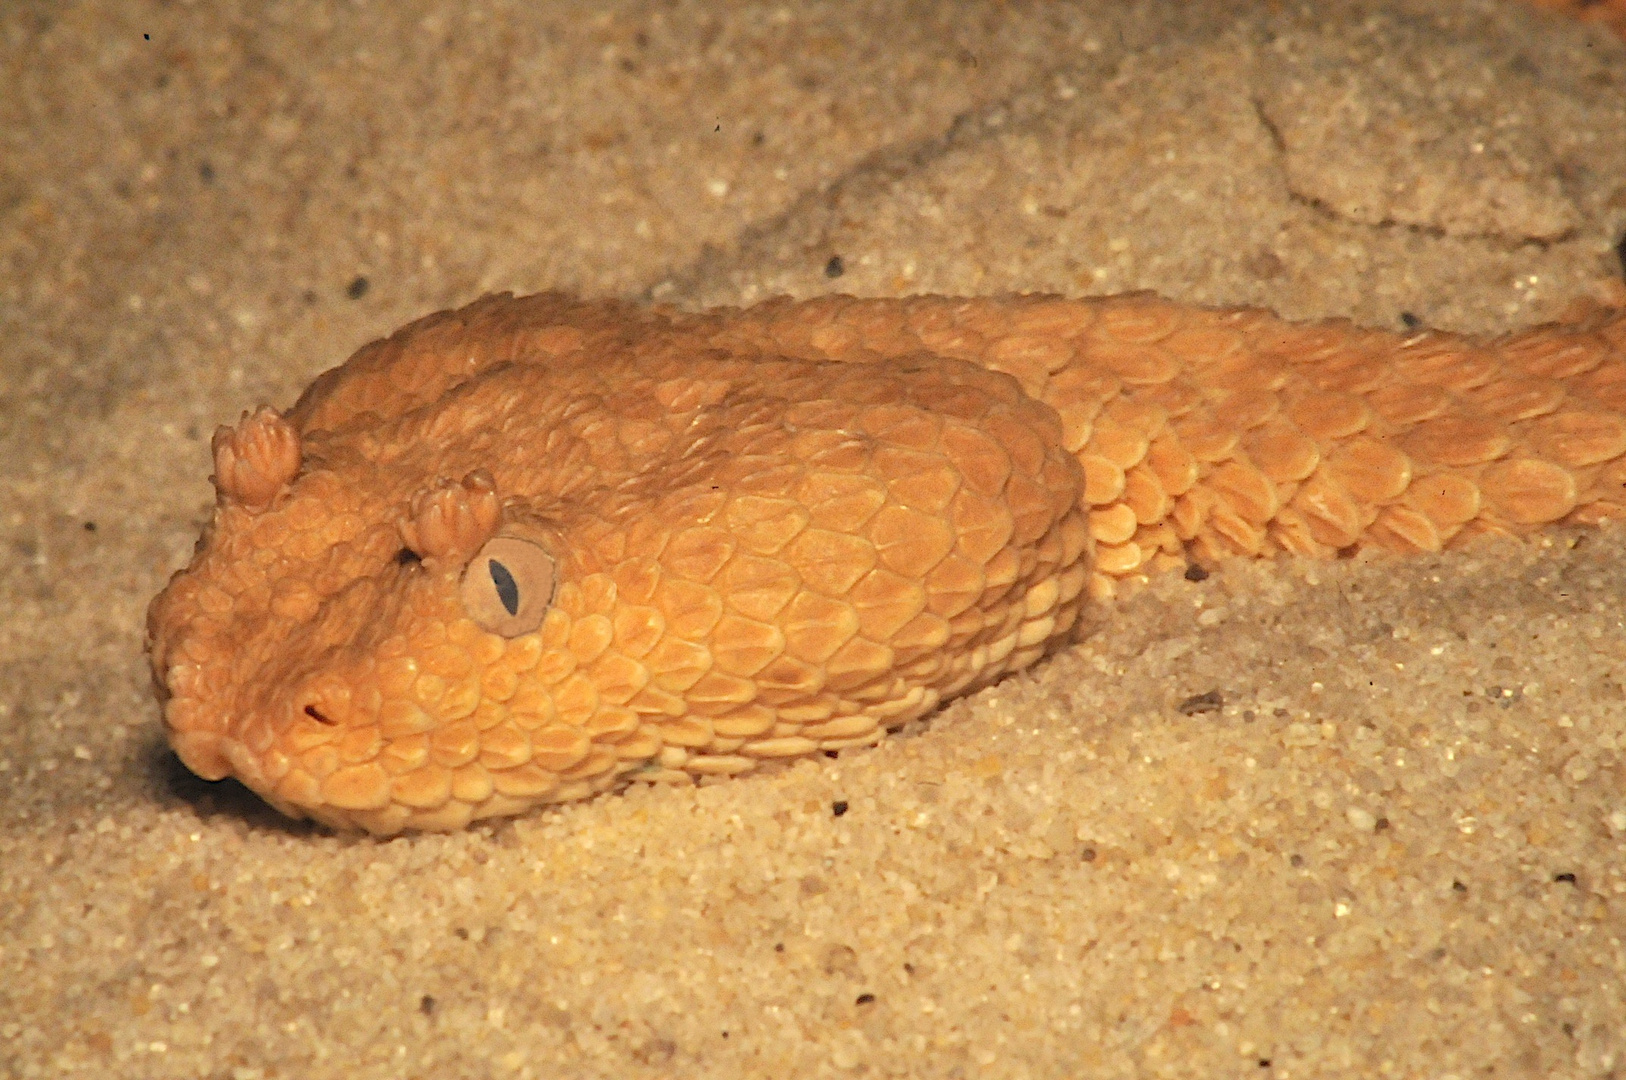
(1391, 843)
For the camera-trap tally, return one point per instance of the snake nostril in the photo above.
(316, 714)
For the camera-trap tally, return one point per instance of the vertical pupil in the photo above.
(507, 587)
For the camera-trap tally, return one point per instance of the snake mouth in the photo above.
(203, 752)
(216, 755)
(246, 766)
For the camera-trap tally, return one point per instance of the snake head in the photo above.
(348, 646)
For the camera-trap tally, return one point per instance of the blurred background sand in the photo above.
(1398, 846)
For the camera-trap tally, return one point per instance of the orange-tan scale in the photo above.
(537, 548)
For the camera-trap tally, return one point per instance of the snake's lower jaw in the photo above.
(202, 752)
(213, 756)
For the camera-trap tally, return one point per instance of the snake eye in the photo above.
(508, 586)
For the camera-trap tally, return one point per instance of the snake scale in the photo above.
(536, 548)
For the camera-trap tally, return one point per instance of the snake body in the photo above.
(536, 548)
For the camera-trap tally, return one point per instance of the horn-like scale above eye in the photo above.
(507, 587)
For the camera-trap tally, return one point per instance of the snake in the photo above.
(540, 548)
